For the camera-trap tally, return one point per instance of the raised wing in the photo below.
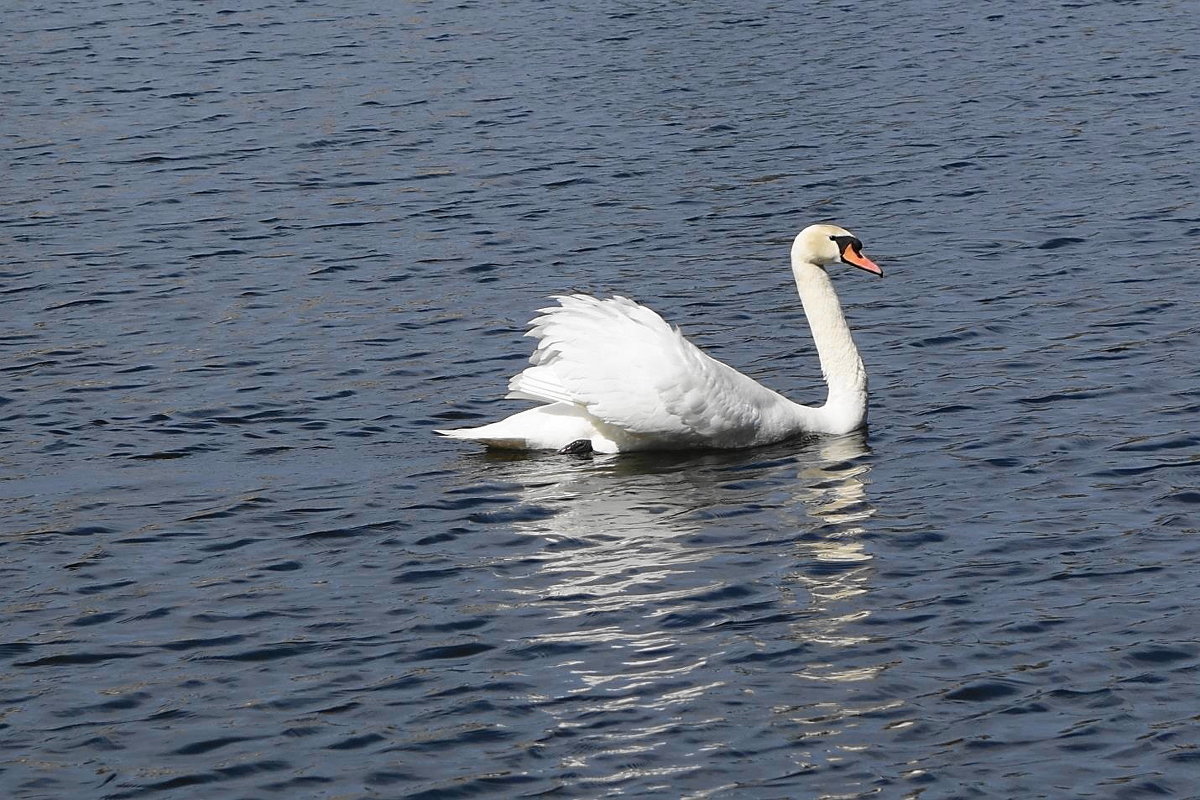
(630, 369)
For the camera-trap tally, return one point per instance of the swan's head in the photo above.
(828, 244)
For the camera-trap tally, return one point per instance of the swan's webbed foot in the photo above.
(579, 447)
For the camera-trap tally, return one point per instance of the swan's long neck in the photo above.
(845, 408)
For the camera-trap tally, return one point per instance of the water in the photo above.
(252, 255)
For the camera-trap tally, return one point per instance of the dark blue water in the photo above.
(250, 256)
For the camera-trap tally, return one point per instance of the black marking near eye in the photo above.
(851, 242)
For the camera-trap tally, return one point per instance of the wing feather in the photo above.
(629, 368)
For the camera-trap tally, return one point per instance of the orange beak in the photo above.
(855, 258)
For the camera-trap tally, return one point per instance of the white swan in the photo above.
(615, 377)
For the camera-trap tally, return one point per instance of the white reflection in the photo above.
(656, 581)
(833, 492)
(625, 530)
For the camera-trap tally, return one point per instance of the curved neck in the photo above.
(845, 408)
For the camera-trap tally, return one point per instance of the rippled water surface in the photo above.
(251, 255)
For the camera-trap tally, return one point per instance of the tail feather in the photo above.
(472, 434)
(544, 427)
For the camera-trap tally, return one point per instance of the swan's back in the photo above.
(624, 365)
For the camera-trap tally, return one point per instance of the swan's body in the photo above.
(612, 374)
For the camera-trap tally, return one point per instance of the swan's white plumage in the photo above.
(625, 366)
(614, 372)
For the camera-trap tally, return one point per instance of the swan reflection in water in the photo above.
(704, 598)
(634, 547)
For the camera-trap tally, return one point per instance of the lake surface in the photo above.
(250, 256)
